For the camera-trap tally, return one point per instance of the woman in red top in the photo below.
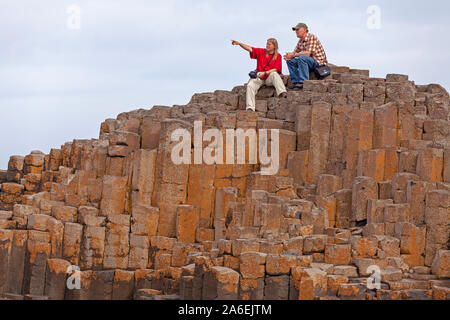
(268, 63)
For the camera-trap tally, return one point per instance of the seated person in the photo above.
(269, 67)
(307, 55)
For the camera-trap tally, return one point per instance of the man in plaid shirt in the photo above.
(307, 55)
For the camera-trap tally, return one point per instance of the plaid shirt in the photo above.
(313, 45)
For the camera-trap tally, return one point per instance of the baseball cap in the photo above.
(300, 25)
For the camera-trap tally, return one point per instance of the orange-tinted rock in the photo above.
(240, 246)
(187, 223)
(298, 165)
(123, 285)
(358, 138)
(430, 163)
(223, 197)
(320, 132)
(364, 247)
(343, 208)
(220, 284)
(362, 182)
(441, 264)
(251, 289)
(338, 254)
(174, 195)
(287, 144)
(113, 195)
(143, 176)
(303, 124)
(310, 282)
(65, 213)
(55, 280)
(138, 255)
(252, 265)
(92, 248)
(328, 184)
(280, 264)
(201, 191)
(364, 188)
(334, 282)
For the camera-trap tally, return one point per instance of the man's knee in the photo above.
(303, 59)
(291, 62)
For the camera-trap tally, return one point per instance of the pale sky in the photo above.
(58, 83)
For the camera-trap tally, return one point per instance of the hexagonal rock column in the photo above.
(187, 223)
(220, 283)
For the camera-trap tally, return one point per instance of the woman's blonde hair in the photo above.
(275, 44)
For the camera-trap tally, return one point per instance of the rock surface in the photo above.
(362, 191)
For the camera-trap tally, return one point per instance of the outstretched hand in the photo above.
(243, 46)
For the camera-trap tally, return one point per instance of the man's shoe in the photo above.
(283, 95)
(249, 109)
(296, 86)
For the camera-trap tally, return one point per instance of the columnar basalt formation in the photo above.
(362, 190)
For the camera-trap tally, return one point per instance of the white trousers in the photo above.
(253, 86)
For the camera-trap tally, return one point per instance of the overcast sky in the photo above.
(58, 83)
